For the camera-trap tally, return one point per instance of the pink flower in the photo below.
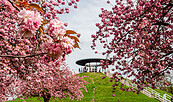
(67, 43)
(29, 78)
(23, 14)
(143, 24)
(56, 29)
(31, 21)
(52, 48)
(113, 95)
(129, 89)
(78, 35)
(68, 51)
(37, 80)
(57, 52)
(8, 4)
(142, 46)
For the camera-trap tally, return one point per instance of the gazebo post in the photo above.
(90, 67)
(87, 68)
(96, 67)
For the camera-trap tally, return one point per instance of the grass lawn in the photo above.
(102, 93)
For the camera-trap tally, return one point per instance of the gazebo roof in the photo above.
(83, 62)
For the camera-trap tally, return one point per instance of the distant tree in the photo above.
(162, 86)
(33, 47)
(138, 37)
(170, 80)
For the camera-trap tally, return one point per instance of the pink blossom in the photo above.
(67, 42)
(78, 35)
(68, 51)
(8, 4)
(56, 29)
(57, 52)
(37, 80)
(113, 95)
(129, 89)
(143, 24)
(31, 21)
(52, 48)
(29, 78)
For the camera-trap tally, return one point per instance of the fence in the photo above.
(146, 91)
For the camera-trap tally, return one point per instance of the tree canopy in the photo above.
(33, 45)
(137, 37)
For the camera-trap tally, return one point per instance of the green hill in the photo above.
(101, 91)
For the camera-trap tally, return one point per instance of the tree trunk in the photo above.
(46, 97)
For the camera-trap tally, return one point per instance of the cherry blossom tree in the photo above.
(137, 37)
(33, 47)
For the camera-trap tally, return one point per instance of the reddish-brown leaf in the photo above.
(20, 0)
(44, 21)
(76, 45)
(41, 29)
(75, 38)
(27, 34)
(21, 3)
(36, 7)
(70, 32)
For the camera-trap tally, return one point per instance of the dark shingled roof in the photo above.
(82, 62)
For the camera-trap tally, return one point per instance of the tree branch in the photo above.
(171, 52)
(14, 5)
(163, 70)
(161, 23)
(11, 56)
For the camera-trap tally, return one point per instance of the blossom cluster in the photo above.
(31, 21)
(60, 43)
(52, 48)
(55, 29)
(57, 43)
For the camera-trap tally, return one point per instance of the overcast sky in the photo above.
(82, 20)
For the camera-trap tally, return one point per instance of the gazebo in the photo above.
(91, 64)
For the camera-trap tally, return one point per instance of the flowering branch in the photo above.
(171, 52)
(22, 56)
(162, 71)
(14, 5)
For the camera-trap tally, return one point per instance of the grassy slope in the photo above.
(103, 92)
